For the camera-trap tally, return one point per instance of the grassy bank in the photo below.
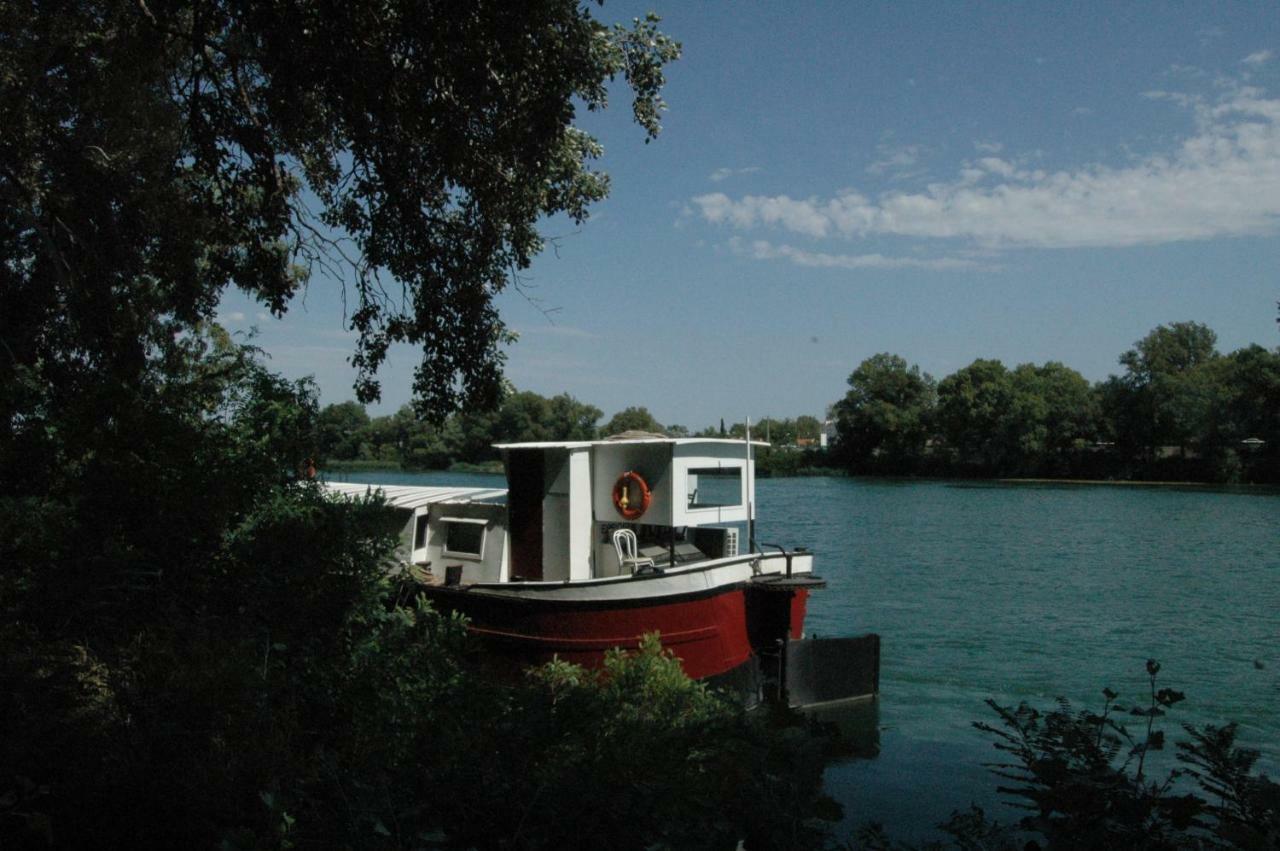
(491, 467)
(360, 466)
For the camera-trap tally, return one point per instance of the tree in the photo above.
(156, 155)
(522, 416)
(196, 646)
(1170, 350)
(1053, 411)
(808, 427)
(570, 419)
(342, 428)
(881, 423)
(1254, 404)
(1017, 422)
(632, 419)
(973, 407)
(1169, 372)
(1245, 388)
(1125, 423)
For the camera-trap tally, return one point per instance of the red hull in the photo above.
(710, 632)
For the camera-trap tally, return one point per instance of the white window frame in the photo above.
(712, 470)
(421, 523)
(471, 521)
(714, 514)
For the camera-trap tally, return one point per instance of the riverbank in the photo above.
(765, 472)
(1123, 482)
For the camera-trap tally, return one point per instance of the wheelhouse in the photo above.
(578, 511)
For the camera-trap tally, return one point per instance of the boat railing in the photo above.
(783, 550)
(667, 571)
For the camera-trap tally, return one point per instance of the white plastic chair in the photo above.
(625, 544)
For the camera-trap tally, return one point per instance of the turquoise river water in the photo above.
(1024, 592)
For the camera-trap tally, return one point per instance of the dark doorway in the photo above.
(526, 477)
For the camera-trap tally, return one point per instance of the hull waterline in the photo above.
(707, 630)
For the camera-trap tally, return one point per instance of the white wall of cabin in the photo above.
(555, 516)
(566, 516)
(651, 460)
(580, 514)
(492, 564)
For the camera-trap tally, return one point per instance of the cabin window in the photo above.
(420, 532)
(464, 536)
(714, 487)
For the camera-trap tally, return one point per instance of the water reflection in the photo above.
(857, 723)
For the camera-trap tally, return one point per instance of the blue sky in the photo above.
(1027, 182)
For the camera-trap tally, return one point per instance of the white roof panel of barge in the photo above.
(417, 496)
(580, 444)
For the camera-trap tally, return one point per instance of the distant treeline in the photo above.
(1180, 411)
(349, 435)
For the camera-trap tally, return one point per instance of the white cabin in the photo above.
(557, 519)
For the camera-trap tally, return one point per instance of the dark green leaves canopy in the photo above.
(156, 153)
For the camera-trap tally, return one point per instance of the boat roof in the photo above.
(416, 496)
(580, 444)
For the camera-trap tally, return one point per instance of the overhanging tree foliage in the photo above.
(196, 647)
(156, 154)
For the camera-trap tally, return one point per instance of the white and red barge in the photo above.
(593, 544)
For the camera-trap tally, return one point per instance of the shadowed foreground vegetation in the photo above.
(199, 649)
(1086, 781)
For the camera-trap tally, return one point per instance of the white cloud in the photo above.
(797, 216)
(1182, 99)
(760, 249)
(1222, 180)
(724, 173)
(995, 165)
(231, 318)
(263, 316)
(900, 161)
(1258, 58)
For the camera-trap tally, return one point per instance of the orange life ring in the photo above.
(631, 495)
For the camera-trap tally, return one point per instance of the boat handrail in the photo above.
(781, 549)
(709, 564)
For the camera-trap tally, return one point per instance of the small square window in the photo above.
(464, 538)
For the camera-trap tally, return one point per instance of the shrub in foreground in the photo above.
(1086, 781)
